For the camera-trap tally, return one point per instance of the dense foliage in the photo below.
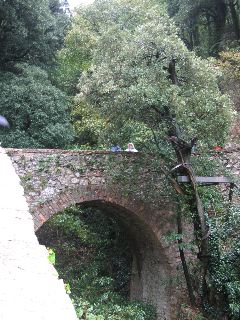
(229, 63)
(224, 271)
(36, 110)
(142, 71)
(31, 32)
(127, 72)
(93, 256)
(207, 26)
(139, 71)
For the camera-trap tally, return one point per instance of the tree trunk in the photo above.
(183, 152)
(209, 29)
(183, 260)
(195, 32)
(235, 18)
(220, 23)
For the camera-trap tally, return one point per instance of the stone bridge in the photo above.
(55, 179)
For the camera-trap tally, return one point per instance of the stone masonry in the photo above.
(30, 288)
(55, 179)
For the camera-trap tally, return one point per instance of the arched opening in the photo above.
(149, 271)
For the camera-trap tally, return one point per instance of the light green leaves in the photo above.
(130, 76)
(51, 256)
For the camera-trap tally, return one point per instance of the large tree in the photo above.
(143, 73)
(30, 31)
(36, 110)
(141, 70)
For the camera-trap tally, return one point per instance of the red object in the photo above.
(217, 148)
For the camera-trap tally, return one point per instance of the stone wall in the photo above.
(30, 288)
(231, 159)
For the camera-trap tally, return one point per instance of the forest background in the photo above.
(159, 73)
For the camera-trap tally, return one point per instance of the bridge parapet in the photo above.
(30, 288)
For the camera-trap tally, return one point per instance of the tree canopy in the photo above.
(141, 70)
(36, 110)
(30, 31)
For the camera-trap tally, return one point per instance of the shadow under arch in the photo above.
(151, 272)
(152, 269)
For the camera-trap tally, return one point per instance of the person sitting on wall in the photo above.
(116, 148)
(131, 148)
(3, 122)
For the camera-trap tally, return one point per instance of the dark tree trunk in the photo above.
(195, 32)
(172, 71)
(235, 18)
(209, 30)
(183, 151)
(183, 260)
(220, 23)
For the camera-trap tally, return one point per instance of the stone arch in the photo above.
(153, 266)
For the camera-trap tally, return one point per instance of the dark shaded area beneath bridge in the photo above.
(151, 280)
